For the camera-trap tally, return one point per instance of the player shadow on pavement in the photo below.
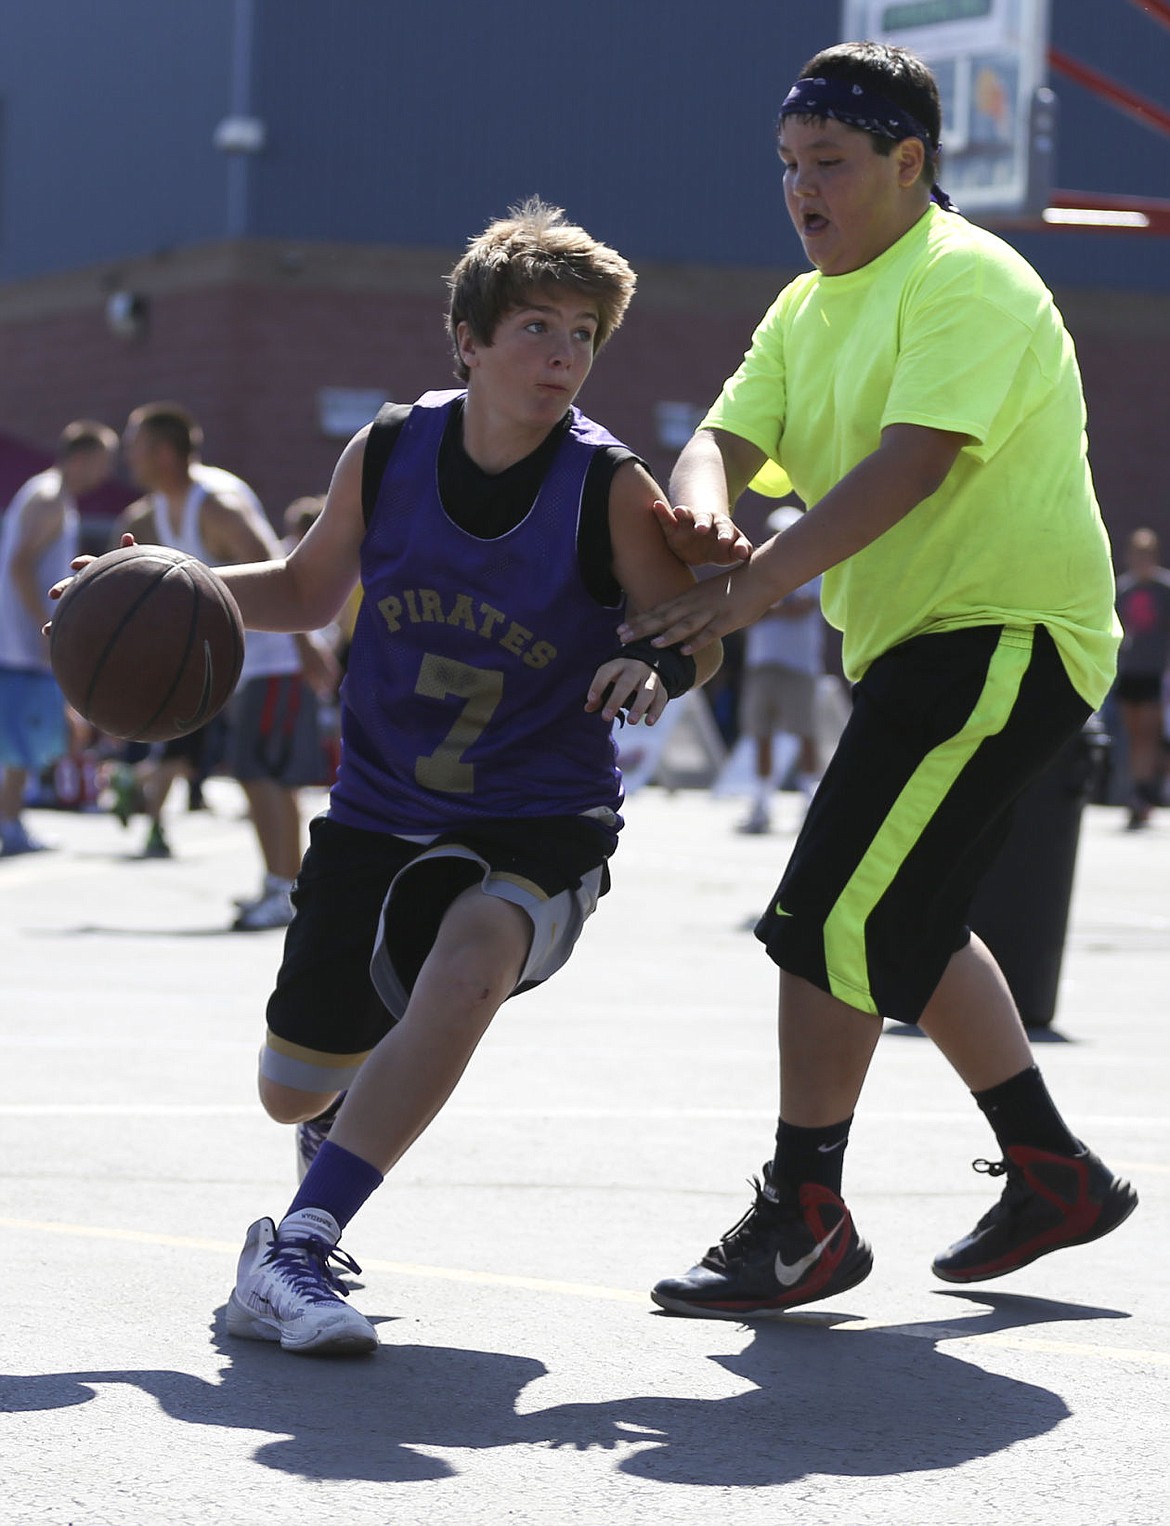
(823, 1399)
(828, 1399)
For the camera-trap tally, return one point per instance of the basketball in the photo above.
(147, 643)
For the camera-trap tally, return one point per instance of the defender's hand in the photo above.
(700, 537)
(703, 614)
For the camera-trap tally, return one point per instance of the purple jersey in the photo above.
(465, 688)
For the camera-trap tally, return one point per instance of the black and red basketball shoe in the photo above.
(791, 1247)
(1048, 1201)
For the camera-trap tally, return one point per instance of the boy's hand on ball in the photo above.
(146, 642)
(78, 564)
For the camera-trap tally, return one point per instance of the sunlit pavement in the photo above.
(602, 1138)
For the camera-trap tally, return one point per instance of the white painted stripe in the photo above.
(589, 1114)
(595, 1292)
(129, 1110)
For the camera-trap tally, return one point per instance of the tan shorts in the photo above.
(777, 699)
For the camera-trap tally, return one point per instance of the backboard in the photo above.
(999, 118)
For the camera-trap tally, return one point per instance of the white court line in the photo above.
(633, 1113)
(129, 1110)
(590, 1291)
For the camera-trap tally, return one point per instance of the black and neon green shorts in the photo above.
(945, 731)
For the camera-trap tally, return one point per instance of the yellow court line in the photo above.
(931, 1332)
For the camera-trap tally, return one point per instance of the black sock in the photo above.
(1022, 1113)
(811, 1155)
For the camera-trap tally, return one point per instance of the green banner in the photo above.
(918, 13)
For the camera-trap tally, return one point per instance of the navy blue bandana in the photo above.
(856, 106)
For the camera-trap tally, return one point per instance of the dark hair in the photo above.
(82, 436)
(531, 249)
(893, 72)
(302, 514)
(173, 425)
(1145, 540)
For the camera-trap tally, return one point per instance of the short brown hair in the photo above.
(531, 249)
(82, 436)
(173, 424)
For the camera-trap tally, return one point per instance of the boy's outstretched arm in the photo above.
(304, 591)
(712, 472)
(908, 466)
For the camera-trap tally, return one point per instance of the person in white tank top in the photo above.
(215, 516)
(38, 540)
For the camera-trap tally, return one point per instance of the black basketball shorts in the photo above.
(946, 730)
(368, 907)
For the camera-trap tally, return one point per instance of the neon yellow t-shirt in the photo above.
(951, 329)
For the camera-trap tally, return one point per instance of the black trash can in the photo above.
(1021, 908)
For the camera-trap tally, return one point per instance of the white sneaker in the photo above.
(268, 884)
(275, 909)
(759, 820)
(286, 1291)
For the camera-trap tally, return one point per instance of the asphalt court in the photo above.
(602, 1137)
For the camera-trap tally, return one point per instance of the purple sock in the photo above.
(338, 1181)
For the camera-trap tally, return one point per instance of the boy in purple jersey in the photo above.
(499, 536)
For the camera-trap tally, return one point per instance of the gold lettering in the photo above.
(515, 639)
(425, 606)
(431, 606)
(491, 618)
(541, 654)
(390, 608)
(462, 613)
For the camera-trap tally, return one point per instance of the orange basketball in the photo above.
(147, 643)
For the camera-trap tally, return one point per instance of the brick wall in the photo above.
(245, 335)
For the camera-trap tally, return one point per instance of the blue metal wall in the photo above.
(396, 123)
(109, 107)
(650, 122)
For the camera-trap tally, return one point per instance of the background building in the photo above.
(249, 206)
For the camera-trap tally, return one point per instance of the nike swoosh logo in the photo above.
(828, 1149)
(787, 1275)
(780, 912)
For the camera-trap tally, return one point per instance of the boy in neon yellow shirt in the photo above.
(921, 393)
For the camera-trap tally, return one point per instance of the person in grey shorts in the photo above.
(784, 655)
(274, 751)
